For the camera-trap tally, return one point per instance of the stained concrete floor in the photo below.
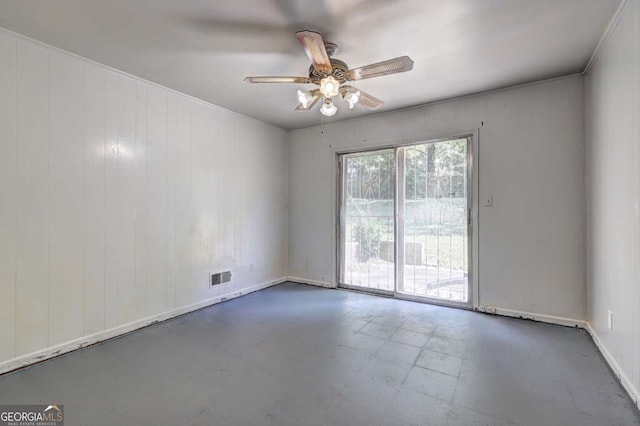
(300, 355)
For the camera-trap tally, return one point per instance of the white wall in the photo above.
(531, 160)
(613, 166)
(119, 197)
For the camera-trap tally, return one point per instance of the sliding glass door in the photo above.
(432, 199)
(404, 221)
(367, 220)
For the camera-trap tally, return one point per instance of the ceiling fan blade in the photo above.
(369, 101)
(277, 79)
(315, 100)
(391, 66)
(314, 47)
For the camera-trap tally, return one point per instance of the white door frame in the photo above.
(473, 225)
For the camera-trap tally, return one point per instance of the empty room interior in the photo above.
(320, 212)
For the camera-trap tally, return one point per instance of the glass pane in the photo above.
(368, 220)
(435, 221)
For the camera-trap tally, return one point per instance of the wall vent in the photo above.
(220, 278)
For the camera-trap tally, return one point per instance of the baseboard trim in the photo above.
(567, 322)
(615, 367)
(54, 351)
(311, 282)
(550, 319)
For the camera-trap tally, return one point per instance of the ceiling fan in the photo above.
(331, 75)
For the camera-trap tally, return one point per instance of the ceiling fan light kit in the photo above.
(328, 109)
(305, 98)
(329, 86)
(331, 75)
(350, 96)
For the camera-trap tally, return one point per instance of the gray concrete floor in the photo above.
(300, 355)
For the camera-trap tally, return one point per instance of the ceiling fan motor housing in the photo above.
(339, 71)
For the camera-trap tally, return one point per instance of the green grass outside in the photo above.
(439, 224)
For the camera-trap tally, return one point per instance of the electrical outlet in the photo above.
(488, 202)
(252, 267)
(610, 320)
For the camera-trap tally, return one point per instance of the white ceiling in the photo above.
(206, 47)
